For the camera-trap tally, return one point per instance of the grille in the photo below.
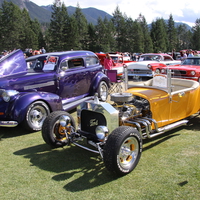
(139, 71)
(178, 72)
(90, 120)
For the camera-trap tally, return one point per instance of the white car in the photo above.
(140, 68)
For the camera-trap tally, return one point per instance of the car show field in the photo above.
(161, 138)
(168, 169)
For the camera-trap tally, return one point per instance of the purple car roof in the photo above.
(64, 54)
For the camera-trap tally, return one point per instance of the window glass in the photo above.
(92, 60)
(64, 65)
(35, 65)
(50, 63)
(74, 63)
(167, 58)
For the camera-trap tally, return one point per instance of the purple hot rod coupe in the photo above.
(32, 88)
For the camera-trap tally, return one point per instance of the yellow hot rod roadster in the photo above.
(116, 131)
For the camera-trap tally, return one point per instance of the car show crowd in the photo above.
(179, 55)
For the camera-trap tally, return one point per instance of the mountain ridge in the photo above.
(43, 13)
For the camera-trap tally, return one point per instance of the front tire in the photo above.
(103, 91)
(35, 116)
(52, 132)
(122, 150)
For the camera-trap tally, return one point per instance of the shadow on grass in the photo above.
(10, 132)
(81, 169)
(193, 123)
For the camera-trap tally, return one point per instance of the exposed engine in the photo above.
(130, 106)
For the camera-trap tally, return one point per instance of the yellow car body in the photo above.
(168, 107)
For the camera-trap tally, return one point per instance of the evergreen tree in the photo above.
(196, 35)
(183, 37)
(11, 29)
(104, 35)
(57, 32)
(138, 37)
(128, 34)
(92, 38)
(82, 28)
(159, 35)
(171, 32)
(28, 37)
(36, 28)
(147, 46)
(72, 38)
(119, 24)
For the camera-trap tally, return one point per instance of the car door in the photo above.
(73, 80)
(184, 104)
(179, 106)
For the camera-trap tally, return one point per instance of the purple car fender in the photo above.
(96, 81)
(20, 105)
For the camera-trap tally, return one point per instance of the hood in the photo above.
(185, 67)
(13, 63)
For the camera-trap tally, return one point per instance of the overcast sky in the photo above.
(182, 10)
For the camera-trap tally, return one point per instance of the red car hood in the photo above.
(185, 67)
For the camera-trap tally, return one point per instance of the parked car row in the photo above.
(141, 67)
(188, 69)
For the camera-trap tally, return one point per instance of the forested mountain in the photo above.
(43, 13)
(66, 31)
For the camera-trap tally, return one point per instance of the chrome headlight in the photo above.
(149, 66)
(64, 120)
(7, 94)
(101, 132)
(192, 73)
(163, 71)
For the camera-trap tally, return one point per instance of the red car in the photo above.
(189, 69)
(118, 60)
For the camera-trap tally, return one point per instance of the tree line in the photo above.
(120, 33)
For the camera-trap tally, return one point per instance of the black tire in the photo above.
(103, 91)
(122, 150)
(51, 133)
(35, 116)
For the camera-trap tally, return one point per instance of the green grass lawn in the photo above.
(168, 169)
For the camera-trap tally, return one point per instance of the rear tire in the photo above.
(52, 132)
(103, 91)
(122, 150)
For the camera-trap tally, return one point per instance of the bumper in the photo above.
(140, 75)
(8, 123)
(187, 77)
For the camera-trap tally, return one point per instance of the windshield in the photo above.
(150, 57)
(191, 61)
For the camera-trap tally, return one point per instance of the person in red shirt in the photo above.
(108, 62)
